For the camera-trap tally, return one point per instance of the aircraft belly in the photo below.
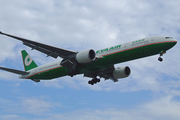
(50, 74)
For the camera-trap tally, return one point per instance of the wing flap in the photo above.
(14, 71)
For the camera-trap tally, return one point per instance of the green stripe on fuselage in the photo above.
(135, 53)
(50, 74)
(109, 60)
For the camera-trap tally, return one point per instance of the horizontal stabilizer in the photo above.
(14, 71)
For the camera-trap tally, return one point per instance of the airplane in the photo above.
(93, 64)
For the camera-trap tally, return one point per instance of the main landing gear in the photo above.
(161, 54)
(94, 81)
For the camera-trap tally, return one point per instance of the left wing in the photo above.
(69, 57)
(46, 49)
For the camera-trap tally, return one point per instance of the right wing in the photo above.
(46, 49)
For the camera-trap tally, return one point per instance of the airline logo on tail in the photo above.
(28, 62)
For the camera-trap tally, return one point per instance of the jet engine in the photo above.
(121, 72)
(85, 56)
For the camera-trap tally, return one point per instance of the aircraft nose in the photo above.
(174, 42)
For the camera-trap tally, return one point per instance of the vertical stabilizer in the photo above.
(28, 62)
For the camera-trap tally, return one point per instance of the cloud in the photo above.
(10, 117)
(92, 24)
(52, 83)
(35, 106)
(162, 109)
(79, 25)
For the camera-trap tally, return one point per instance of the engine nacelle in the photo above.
(121, 72)
(85, 56)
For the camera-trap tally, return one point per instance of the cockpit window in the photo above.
(169, 37)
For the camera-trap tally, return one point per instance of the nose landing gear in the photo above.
(160, 59)
(161, 54)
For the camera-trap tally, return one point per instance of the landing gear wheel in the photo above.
(93, 81)
(160, 59)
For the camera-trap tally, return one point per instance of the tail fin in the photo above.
(28, 62)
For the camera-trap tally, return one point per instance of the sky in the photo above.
(151, 92)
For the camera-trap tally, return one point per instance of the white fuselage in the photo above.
(102, 52)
